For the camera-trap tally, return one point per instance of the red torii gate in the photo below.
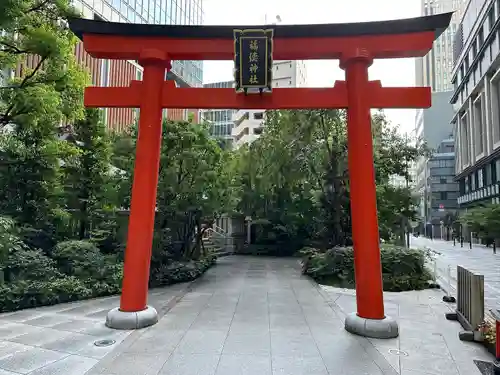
(354, 44)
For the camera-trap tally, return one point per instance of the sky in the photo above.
(320, 73)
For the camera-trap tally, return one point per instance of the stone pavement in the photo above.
(247, 315)
(60, 339)
(480, 259)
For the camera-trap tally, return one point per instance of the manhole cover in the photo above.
(104, 342)
(398, 352)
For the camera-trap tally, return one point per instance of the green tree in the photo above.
(89, 188)
(46, 92)
(193, 188)
(296, 175)
(36, 40)
(484, 221)
(31, 190)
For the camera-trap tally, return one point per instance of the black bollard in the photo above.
(461, 242)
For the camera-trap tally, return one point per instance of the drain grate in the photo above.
(398, 352)
(102, 343)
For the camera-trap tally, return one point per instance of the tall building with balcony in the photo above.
(248, 123)
(476, 102)
(119, 72)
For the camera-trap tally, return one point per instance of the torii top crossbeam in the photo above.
(386, 39)
(291, 42)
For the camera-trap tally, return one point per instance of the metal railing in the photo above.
(470, 298)
(218, 241)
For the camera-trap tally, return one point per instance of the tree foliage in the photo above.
(484, 221)
(296, 176)
(195, 186)
(89, 176)
(37, 43)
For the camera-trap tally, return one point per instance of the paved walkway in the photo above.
(246, 316)
(480, 259)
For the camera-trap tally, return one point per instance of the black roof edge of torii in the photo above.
(436, 23)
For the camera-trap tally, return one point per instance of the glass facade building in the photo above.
(163, 12)
(220, 120)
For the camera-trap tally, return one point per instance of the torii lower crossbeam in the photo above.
(285, 98)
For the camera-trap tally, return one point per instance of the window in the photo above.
(480, 37)
(443, 195)
(442, 180)
(258, 115)
(497, 170)
(479, 124)
(495, 104)
(480, 180)
(491, 17)
(487, 172)
(464, 139)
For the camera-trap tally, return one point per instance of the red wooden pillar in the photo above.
(367, 263)
(147, 158)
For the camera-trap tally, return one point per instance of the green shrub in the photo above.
(402, 268)
(83, 284)
(9, 240)
(26, 294)
(79, 258)
(31, 265)
(179, 272)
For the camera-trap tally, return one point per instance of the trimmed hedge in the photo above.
(180, 272)
(77, 271)
(402, 269)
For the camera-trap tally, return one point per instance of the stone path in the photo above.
(60, 339)
(480, 259)
(249, 316)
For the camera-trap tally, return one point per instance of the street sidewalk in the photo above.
(479, 259)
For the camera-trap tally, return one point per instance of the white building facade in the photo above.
(434, 69)
(248, 123)
(476, 100)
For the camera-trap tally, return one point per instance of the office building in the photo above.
(248, 123)
(434, 69)
(432, 127)
(440, 191)
(220, 120)
(119, 72)
(476, 101)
